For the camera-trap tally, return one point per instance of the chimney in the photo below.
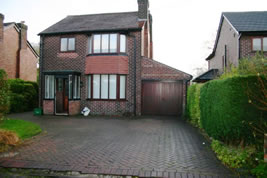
(23, 35)
(143, 11)
(1, 27)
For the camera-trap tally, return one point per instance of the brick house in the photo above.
(17, 56)
(240, 35)
(104, 62)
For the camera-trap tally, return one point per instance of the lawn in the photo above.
(23, 129)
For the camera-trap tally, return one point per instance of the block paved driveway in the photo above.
(149, 146)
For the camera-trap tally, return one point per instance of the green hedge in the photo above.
(226, 111)
(4, 90)
(23, 95)
(192, 107)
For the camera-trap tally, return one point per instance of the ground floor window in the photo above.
(49, 86)
(106, 87)
(74, 87)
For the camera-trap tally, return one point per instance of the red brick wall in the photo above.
(8, 60)
(246, 47)
(28, 65)
(152, 69)
(53, 59)
(107, 65)
(74, 107)
(8, 63)
(48, 107)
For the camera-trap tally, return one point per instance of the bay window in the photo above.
(106, 87)
(107, 43)
(49, 86)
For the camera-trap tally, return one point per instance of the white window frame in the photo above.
(118, 87)
(68, 44)
(49, 86)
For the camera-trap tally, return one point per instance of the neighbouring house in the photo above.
(240, 35)
(17, 56)
(104, 62)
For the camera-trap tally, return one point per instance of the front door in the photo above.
(62, 96)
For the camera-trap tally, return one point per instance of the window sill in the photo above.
(108, 54)
(74, 99)
(68, 51)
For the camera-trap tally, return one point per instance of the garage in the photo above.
(163, 89)
(162, 97)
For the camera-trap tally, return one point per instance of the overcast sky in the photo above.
(182, 29)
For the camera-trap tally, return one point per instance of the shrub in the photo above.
(226, 111)
(260, 170)
(244, 160)
(4, 88)
(233, 157)
(8, 137)
(192, 108)
(247, 66)
(23, 96)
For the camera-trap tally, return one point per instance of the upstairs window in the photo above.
(67, 44)
(107, 43)
(259, 44)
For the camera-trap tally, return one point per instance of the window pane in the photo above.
(112, 87)
(256, 44)
(122, 43)
(79, 87)
(90, 45)
(96, 43)
(113, 43)
(63, 46)
(70, 86)
(51, 87)
(104, 86)
(74, 86)
(96, 86)
(47, 86)
(71, 44)
(264, 44)
(105, 43)
(89, 86)
(122, 86)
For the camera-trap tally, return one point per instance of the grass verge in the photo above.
(23, 129)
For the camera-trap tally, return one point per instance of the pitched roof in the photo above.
(95, 22)
(18, 28)
(248, 21)
(255, 21)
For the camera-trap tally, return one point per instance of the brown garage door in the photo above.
(162, 98)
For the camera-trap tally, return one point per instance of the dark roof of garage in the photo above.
(206, 76)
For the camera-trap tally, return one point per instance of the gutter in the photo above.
(18, 56)
(40, 72)
(91, 31)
